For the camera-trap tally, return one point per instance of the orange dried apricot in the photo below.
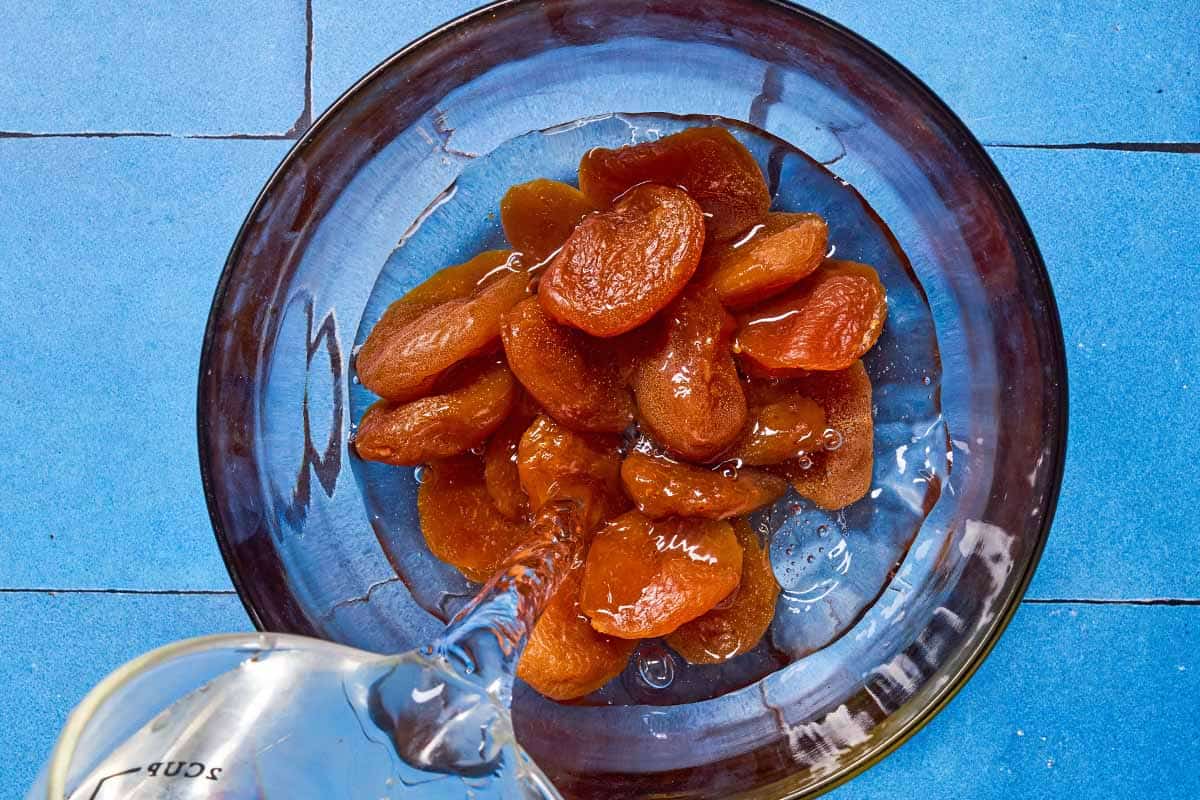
(620, 267)
(566, 657)
(500, 466)
(689, 396)
(439, 425)
(402, 361)
(729, 631)
(461, 524)
(549, 453)
(644, 578)
(709, 163)
(827, 322)
(660, 487)
(463, 280)
(839, 477)
(775, 254)
(538, 216)
(783, 424)
(576, 380)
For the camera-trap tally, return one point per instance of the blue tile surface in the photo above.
(109, 252)
(188, 67)
(1037, 71)
(1075, 703)
(1014, 70)
(351, 37)
(57, 647)
(1118, 233)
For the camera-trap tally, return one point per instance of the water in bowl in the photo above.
(831, 566)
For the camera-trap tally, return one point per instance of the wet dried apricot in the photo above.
(660, 487)
(620, 267)
(549, 452)
(575, 379)
(689, 396)
(461, 524)
(439, 425)
(538, 216)
(404, 359)
(827, 322)
(644, 578)
(709, 163)
(783, 424)
(775, 254)
(840, 476)
(500, 466)
(566, 657)
(463, 280)
(726, 632)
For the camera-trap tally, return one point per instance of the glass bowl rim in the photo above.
(966, 143)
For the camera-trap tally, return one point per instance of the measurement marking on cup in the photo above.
(96, 791)
(169, 769)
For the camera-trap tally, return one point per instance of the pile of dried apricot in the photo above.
(662, 336)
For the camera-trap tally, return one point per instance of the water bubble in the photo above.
(419, 474)
(656, 666)
(822, 530)
(354, 379)
(789, 551)
(804, 461)
(809, 558)
(477, 450)
(832, 439)
(926, 380)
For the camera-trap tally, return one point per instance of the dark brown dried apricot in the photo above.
(402, 361)
(439, 425)
(461, 524)
(776, 253)
(729, 631)
(782, 425)
(566, 657)
(575, 379)
(660, 487)
(644, 578)
(620, 267)
(538, 216)
(500, 466)
(709, 163)
(825, 323)
(839, 477)
(689, 396)
(549, 452)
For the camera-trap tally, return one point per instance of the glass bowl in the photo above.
(310, 554)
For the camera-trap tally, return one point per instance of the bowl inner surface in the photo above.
(317, 545)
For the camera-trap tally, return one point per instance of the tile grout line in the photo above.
(1125, 147)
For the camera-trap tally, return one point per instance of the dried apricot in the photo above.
(839, 476)
(660, 487)
(549, 452)
(620, 267)
(500, 466)
(709, 163)
(538, 216)
(775, 254)
(726, 632)
(566, 657)
(461, 524)
(783, 424)
(402, 361)
(463, 280)
(644, 578)
(439, 425)
(827, 322)
(689, 396)
(576, 380)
